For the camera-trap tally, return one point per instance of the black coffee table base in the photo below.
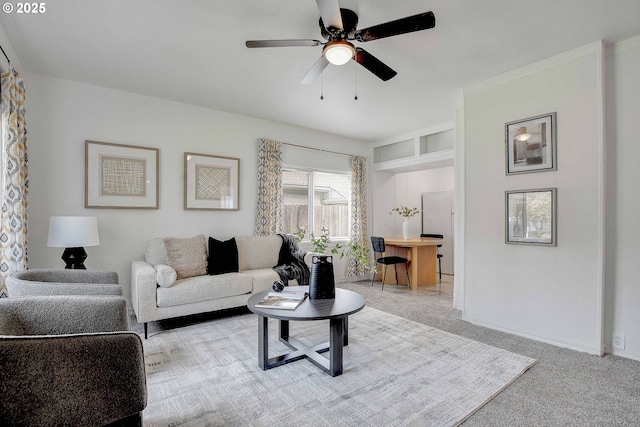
(338, 338)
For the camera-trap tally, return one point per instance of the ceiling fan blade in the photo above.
(330, 13)
(281, 43)
(422, 21)
(315, 71)
(373, 64)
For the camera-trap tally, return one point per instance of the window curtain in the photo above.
(359, 232)
(269, 209)
(15, 178)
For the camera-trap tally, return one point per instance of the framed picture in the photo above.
(211, 182)
(120, 176)
(531, 144)
(531, 217)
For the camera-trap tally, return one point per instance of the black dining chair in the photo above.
(439, 255)
(379, 248)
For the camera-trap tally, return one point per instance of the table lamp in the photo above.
(73, 233)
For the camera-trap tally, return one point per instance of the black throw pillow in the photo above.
(223, 256)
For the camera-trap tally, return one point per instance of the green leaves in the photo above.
(405, 211)
(321, 244)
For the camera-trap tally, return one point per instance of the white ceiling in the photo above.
(193, 51)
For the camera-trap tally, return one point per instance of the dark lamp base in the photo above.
(74, 258)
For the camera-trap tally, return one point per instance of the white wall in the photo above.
(384, 199)
(553, 294)
(409, 189)
(460, 210)
(63, 114)
(623, 201)
(8, 49)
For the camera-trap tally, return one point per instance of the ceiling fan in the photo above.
(338, 27)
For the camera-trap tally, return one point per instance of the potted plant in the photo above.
(407, 213)
(360, 253)
(320, 244)
(322, 280)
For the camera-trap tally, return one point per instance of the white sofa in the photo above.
(257, 255)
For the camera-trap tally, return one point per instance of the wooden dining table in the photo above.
(422, 255)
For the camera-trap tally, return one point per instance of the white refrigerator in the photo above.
(437, 218)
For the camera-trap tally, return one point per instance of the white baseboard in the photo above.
(527, 334)
(610, 350)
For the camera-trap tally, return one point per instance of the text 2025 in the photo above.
(31, 7)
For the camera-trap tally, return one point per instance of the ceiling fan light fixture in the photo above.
(339, 52)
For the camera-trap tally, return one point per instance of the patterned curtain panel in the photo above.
(15, 178)
(269, 209)
(359, 232)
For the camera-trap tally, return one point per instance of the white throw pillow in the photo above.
(165, 275)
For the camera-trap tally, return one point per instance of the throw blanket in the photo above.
(291, 263)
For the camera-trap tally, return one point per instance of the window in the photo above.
(295, 200)
(328, 193)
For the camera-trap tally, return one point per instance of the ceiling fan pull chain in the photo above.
(356, 96)
(321, 87)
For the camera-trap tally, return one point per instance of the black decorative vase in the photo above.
(322, 284)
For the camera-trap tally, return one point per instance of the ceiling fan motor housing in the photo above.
(349, 24)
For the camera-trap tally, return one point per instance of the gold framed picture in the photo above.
(120, 176)
(211, 182)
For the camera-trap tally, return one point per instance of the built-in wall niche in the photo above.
(395, 151)
(427, 149)
(437, 142)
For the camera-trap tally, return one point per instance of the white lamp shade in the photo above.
(339, 52)
(73, 231)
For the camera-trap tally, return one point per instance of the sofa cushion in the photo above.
(165, 275)
(223, 256)
(204, 288)
(263, 279)
(256, 252)
(188, 257)
(10, 324)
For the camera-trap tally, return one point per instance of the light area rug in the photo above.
(396, 373)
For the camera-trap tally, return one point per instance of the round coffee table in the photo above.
(336, 310)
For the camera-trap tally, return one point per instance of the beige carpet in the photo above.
(396, 373)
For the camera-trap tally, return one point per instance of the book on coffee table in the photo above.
(285, 300)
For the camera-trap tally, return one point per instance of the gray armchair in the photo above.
(39, 282)
(70, 360)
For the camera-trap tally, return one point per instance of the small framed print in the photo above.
(120, 176)
(211, 182)
(531, 217)
(530, 144)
